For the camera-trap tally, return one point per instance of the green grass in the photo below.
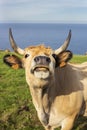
(79, 58)
(16, 109)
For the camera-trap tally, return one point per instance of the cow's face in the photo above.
(39, 62)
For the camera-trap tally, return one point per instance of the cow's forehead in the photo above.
(39, 49)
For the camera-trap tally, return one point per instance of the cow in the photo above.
(58, 88)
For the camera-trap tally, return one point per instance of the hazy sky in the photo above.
(70, 11)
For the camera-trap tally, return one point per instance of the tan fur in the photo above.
(61, 93)
(39, 49)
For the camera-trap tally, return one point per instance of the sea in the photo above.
(50, 34)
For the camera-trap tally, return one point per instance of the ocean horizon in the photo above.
(50, 34)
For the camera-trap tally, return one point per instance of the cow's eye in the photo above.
(27, 55)
(55, 56)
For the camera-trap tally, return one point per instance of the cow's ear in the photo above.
(63, 58)
(13, 61)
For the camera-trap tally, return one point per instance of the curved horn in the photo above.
(65, 44)
(13, 44)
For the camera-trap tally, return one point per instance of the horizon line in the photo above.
(9, 22)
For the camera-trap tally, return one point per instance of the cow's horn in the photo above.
(14, 45)
(65, 44)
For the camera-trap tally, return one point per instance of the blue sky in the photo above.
(65, 11)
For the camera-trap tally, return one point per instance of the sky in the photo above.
(43, 11)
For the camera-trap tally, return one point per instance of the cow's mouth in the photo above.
(41, 68)
(41, 71)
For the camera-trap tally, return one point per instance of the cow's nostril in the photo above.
(36, 59)
(48, 59)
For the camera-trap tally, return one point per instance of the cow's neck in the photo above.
(37, 97)
(41, 101)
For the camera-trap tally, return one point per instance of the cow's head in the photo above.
(40, 62)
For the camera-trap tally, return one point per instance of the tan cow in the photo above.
(58, 88)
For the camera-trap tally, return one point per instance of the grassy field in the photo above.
(16, 108)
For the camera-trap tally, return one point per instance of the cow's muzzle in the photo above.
(42, 60)
(41, 67)
(41, 63)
